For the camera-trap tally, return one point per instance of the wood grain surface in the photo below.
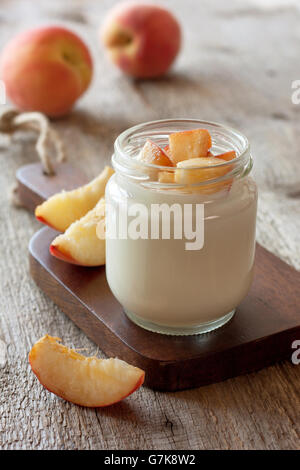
(237, 65)
(260, 333)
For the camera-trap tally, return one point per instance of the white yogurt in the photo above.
(166, 288)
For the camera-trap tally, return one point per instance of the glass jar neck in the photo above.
(129, 144)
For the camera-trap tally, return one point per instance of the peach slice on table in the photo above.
(80, 244)
(64, 208)
(85, 381)
(152, 153)
(189, 144)
(198, 170)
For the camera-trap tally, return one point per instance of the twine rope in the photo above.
(12, 120)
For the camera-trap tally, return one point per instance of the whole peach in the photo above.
(142, 39)
(46, 69)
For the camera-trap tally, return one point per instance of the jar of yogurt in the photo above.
(179, 247)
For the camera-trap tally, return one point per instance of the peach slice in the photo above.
(85, 381)
(166, 177)
(166, 149)
(80, 244)
(152, 153)
(62, 209)
(189, 144)
(209, 168)
(227, 155)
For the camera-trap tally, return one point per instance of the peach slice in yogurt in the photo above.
(189, 145)
(167, 151)
(198, 170)
(227, 155)
(166, 177)
(152, 153)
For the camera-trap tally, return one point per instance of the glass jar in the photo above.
(167, 283)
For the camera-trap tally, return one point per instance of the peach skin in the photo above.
(143, 40)
(46, 69)
(85, 381)
(64, 208)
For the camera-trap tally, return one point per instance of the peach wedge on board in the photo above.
(80, 244)
(64, 208)
(85, 381)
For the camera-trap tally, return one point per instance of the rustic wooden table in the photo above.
(238, 61)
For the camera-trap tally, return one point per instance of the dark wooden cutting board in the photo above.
(261, 333)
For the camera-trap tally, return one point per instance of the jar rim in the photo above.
(125, 135)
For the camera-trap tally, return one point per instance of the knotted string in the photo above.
(12, 120)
